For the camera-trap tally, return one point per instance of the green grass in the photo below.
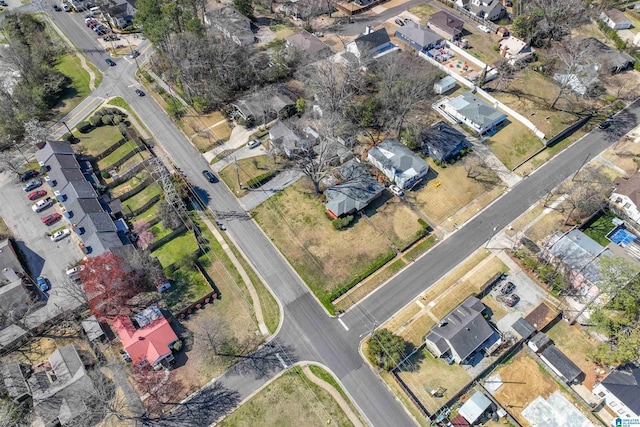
(147, 215)
(328, 378)
(117, 155)
(599, 229)
(70, 66)
(187, 287)
(159, 231)
(142, 155)
(421, 247)
(176, 249)
(137, 201)
(99, 139)
(129, 184)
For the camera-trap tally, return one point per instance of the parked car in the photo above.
(604, 125)
(32, 184)
(511, 300)
(57, 8)
(221, 226)
(210, 176)
(60, 234)
(51, 219)
(110, 62)
(4, 3)
(36, 195)
(484, 29)
(43, 284)
(26, 176)
(139, 92)
(508, 288)
(134, 54)
(400, 22)
(253, 143)
(66, 7)
(396, 190)
(42, 204)
(74, 272)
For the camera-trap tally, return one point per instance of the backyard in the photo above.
(599, 228)
(180, 247)
(326, 259)
(136, 202)
(577, 345)
(117, 155)
(98, 140)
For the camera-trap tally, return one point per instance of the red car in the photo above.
(50, 219)
(36, 195)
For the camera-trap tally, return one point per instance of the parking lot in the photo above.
(43, 257)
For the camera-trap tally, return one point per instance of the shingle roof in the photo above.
(441, 140)
(14, 381)
(614, 59)
(51, 147)
(562, 363)
(392, 153)
(372, 40)
(625, 385)
(447, 22)
(475, 109)
(579, 252)
(616, 16)
(353, 194)
(306, 42)
(419, 34)
(629, 187)
(63, 161)
(523, 328)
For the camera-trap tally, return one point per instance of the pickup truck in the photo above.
(42, 204)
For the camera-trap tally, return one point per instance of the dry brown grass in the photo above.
(472, 208)
(625, 155)
(39, 349)
(481, 45)
(423, 11)
(248, 169)
(498, 311)
(415, 330)
(406, 401)
(513, 143)
(552, 221)
(394, 220)
(525, 219)
(453, 276)
(196, 123)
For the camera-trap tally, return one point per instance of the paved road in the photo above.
(307, 333)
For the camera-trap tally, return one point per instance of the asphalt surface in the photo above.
(307, 332)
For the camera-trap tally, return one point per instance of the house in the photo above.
(625, 197)
(561, 365)
(398, 163)
(308, 45)
(419, 37)
(151, 344)
(474, 112)
(16, 293)
(283, 140)
(232, 24)
(332, 150)
(81, 204)
(615, 19)
(447, 25)
(462, 333)
(475, 407)
(614, 61)
(516, 51)
(354, 192)
(621, 391)
(371, 44)
(489, 10)
(442, 142)
(266, 105)
(120, 13)
(444, 85)
(62, 394)
(14, 382)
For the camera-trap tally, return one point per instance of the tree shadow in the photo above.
(203, 196)
(265, 361)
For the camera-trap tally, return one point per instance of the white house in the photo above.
(398, 163)
(620, 390)
(372, 43)
(515, 50)
(444, 85)
(489, 10)
(474, 112)
(615, 19)
(626, 197)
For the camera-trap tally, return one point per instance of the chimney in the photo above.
(504, 50)
(368, 30)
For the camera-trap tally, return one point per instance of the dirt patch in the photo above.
(394, 220)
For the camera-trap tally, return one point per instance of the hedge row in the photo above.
(375, 265)
(260, 179)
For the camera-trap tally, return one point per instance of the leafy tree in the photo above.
(245, 7)
(168, 216)
(386, 350)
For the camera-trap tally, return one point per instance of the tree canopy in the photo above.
(386, 350)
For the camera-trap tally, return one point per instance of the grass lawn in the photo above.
(326, 259)
(147, 215)
(176, 249)
(290, 400)
(497, 309)
(98, 140)
(447, 190)
(547, 224)
(159, 231)
(424, 11)
(424, 373)
(130, 184)
(394, 219)
(70, 66)
(577, 345)
(126, 148)
(249, 169)
(137, 201)
(187, 287)
(599, 229)
(206, 140)
(481, 45)
(625, 155)
(513, 143)
(142, 155)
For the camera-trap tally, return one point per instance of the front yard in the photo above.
(98, 140)
(513, 143)
(246, 171)
(395, 220)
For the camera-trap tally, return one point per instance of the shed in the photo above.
(475, 407)
(444, 85)
(92, 328)
(539, 342)
(562, 365)
(523, 328)
(14, 381)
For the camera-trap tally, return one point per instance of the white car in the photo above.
(396, 190)
(73, 272)
(65, 7)
(42, 204)
(484, 29)
(253, 143)
(59, 235)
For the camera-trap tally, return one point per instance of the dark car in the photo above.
(511, 300)
(210, 176)
(400, 22)
(508, 288)
(110, 62)
(604, 125)
(51, 219)
(26, 176)
(139, 92)
(56, 8)
(31, 185)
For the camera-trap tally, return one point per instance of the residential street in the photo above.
(307, 332)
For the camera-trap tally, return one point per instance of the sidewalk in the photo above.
(271, 188)
(239, 136)
(493, 162)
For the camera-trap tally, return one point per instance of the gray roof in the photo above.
(373, 40)
(616, 61)
(562, 363)
(62, 161)
(354, 193)
(475, 109)
(578, 252)
(483, 10)
(14, 380)
(523, 328)
(283, 138)
(392, 153)
(99, 243)
(80, 207)
(625, 385)
(441, 141)
(269, 101)
(51, 147)
(81, 190)
(14, 296)
(447, 22)
(464, 329)
(92, 328)
(306, 42)
(232, 24)
(418, 34)
(8, 258)
(540, 340)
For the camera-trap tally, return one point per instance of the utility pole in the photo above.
(235, 162)
(581, 166)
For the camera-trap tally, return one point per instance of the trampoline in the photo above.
(621, 236)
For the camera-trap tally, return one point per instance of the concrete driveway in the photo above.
(43, 257)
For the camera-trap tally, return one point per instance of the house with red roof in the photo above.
(151, 342)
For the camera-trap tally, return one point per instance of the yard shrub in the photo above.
(117, 120)
(341, 223)
(107, 119)
(105, 174)
(122, 127)
(423, 223)
(260, 179)
(386, 349)
(84, 127)
(95, 120)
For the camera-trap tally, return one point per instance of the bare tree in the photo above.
(578, 68)
(35, 132)
(586, 195)
(334, 84)
(541, 21)
(10, 161)
(316, 162)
